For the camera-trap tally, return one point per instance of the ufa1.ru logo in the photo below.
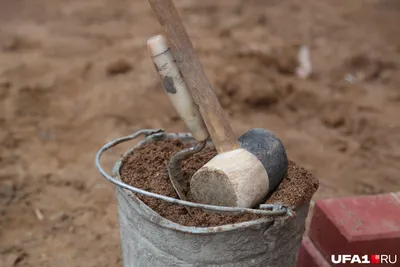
(364, 259)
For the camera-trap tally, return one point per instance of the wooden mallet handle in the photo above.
(215, 118)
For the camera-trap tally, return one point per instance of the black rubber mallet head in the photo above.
(270, 152)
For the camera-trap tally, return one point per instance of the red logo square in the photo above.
(375, 259)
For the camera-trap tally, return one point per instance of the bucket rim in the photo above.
(156, 218)
(274, 210)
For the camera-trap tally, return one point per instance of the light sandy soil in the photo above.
(61, 99)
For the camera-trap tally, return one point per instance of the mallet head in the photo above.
(242, 177)
(235, 178)
(268, 148)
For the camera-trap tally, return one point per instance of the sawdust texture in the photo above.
(146, 169)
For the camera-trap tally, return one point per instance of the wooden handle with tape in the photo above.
(203, 94)
(176, 87)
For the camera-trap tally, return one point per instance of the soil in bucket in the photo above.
(146, 169)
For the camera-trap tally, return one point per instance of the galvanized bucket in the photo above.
(149, 240)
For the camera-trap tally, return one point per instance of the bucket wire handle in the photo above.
(265, 209)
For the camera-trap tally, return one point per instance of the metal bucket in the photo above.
(149, 240)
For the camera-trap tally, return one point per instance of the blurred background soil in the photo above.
(75, 74)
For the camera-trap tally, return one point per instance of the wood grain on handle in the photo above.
(203, 94)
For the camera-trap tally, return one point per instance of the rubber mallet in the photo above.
(262, 143)
(235, 177)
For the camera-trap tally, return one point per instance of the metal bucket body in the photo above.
(149, 240)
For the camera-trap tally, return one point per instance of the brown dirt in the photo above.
(58, 104)
(146, 169)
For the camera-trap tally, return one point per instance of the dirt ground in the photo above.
(75, 74)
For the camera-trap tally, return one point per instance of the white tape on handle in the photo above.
(176, 87)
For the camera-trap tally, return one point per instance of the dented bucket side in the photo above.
(150, 240)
